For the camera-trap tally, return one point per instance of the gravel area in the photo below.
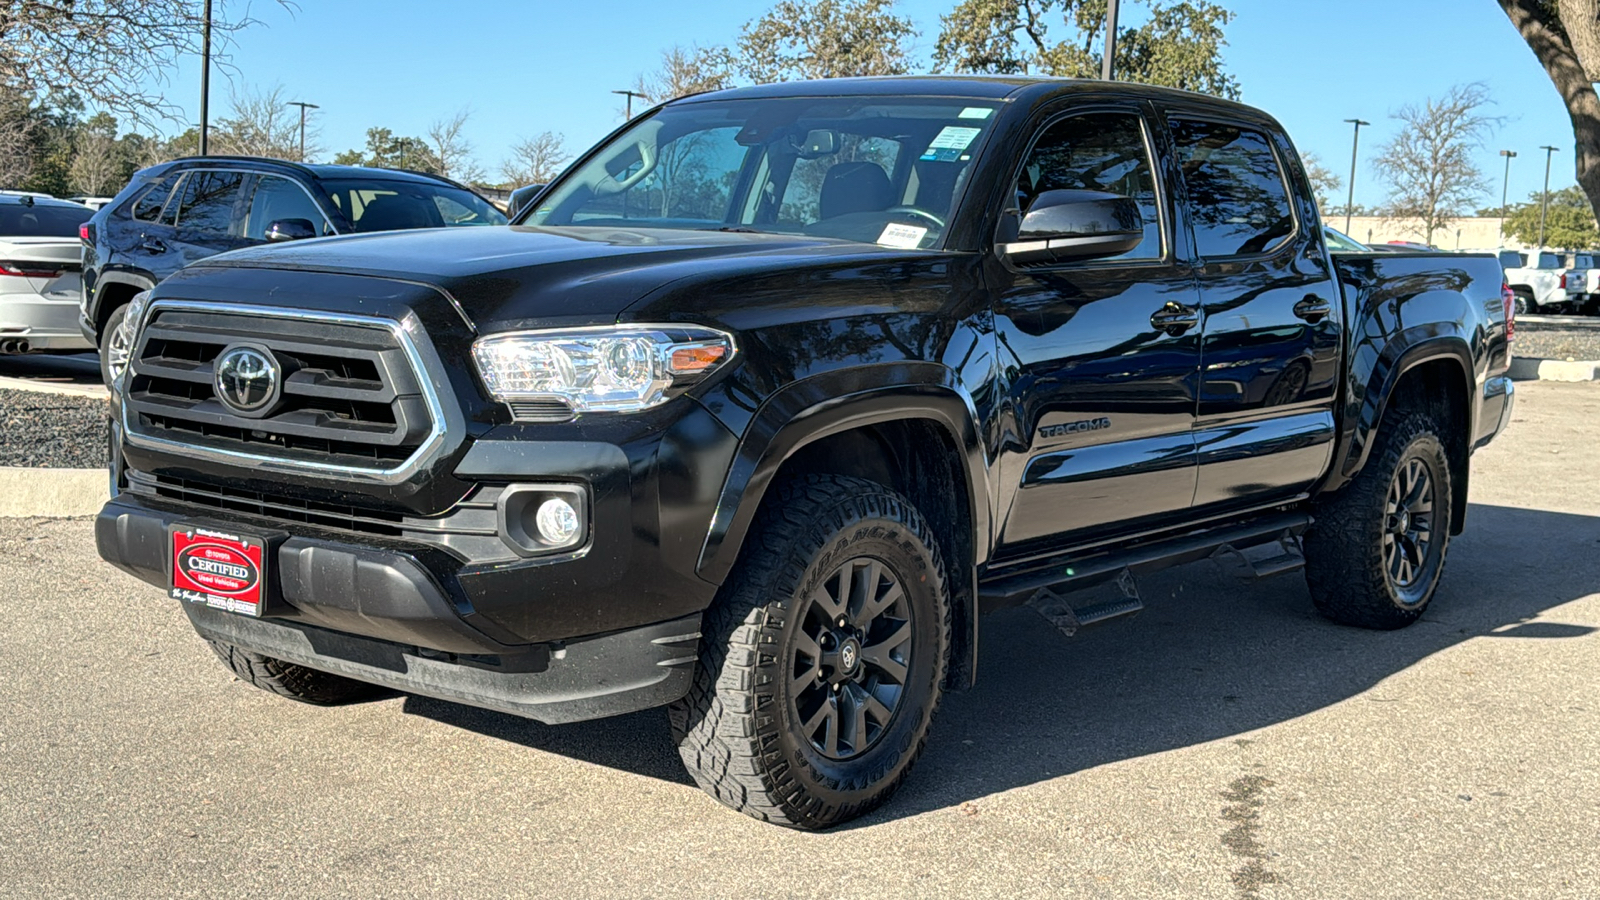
(52, 430)
(1557, 343)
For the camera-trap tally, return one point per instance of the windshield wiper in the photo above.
(737, 229)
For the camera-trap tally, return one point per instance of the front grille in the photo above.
(351, 394)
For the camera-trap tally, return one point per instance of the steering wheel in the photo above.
(922, 214)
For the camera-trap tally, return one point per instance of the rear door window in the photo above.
(210, 203)
(1238, 203)
(150, 204)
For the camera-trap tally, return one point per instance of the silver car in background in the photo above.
(41, 255)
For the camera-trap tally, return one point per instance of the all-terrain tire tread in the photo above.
(718, 726)
(1343, 549)
(290, 680)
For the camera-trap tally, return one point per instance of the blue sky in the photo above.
(525, 66)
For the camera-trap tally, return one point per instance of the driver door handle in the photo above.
(153, 245)
(1312, 308)
(1174, 318)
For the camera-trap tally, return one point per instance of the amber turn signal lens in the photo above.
(689, 360)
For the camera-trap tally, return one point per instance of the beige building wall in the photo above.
(1474, 233)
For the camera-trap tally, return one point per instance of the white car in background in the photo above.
(1536, 277)
(93, 203)
(41, 254)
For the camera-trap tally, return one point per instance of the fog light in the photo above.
(540, 519)
(558, 521)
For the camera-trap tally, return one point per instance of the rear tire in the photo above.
(1376, 552)
(823, 657)
(1524, 304)
(290, 680)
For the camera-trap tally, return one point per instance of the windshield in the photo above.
(378, 205)
(39, 220)
(874, 170)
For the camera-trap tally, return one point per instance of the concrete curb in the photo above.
(97, 391)
(27, 492)
(1532, 368)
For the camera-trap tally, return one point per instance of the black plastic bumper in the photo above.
(589, 679)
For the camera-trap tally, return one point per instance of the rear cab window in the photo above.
(1238, 199)
(148, 206)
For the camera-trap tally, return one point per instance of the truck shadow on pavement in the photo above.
(1210, 657)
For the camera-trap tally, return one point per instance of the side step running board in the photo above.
(1071, 619)
(1069, 573)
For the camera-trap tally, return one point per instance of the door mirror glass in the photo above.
(1076, 224)
(290, 230)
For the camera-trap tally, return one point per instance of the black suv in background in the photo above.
(173, 214)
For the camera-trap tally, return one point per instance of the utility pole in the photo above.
(1108, 63)
(205, 80)
(1544, 198)
(303, 107)
(1504, 185)
(630, 95)
(1350, 199)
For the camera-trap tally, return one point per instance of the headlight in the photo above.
(556, 373)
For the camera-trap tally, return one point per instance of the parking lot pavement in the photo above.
(64, 373)
(1224, 743)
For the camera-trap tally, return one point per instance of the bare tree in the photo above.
(114, 54)
(1323, 181)
(1565, 37)
(16, 162)
(536, 160)
(97, 158)
(263, 124)
(686, 71)
(1429, 164)
(452, 149)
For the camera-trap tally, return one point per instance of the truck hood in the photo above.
(524, 277)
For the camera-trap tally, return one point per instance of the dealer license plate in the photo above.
(220, 569)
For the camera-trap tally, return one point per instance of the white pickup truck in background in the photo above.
(1550, 280)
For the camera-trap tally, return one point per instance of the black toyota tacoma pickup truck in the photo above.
(756, 407)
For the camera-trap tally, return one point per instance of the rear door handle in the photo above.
(1174, 318)
(1312, 308)
(153, 245)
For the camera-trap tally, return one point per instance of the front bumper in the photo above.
(590, 679)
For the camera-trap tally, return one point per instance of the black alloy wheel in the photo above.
(1408, 544)
(850, 657)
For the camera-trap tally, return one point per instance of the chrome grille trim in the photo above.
(403, 334)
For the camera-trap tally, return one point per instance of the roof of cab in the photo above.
(978, 87)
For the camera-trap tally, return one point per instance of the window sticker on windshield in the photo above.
(975, 112)
(903, 237)
(954, 137)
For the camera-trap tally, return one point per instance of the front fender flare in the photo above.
(823, 405)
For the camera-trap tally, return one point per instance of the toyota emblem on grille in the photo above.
(247, 380)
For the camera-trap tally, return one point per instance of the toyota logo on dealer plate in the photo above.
(246, 380)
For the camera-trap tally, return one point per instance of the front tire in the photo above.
(290, 680)
(1376, 552)
(823, 657)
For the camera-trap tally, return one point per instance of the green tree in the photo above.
(1180, 45)
(1569, 222)
(824, 39)
(386, 150)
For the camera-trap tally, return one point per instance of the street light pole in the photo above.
(1505, 184)
(1350, 200)
(1108, 62)
(630, 95)
(1544, 198)
(205, 79)
(303, 107)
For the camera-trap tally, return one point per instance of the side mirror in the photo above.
(290, 230)
(521, 197)
(1076, 225)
